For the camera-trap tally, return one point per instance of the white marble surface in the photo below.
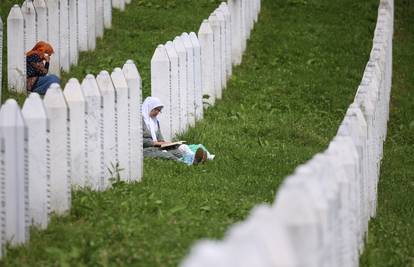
(30, 31)
(82, 25)
(91, 15)
(175, 87)
(107, 9)
(99, 18)
(59, 136)
(64, 44)
(191, 113)
(215, 26)
(205, 36)
(16, 65)
(41, 20)
(198, 94)
(182, 80)
(73, 32)
(16, 195)
(34, 113)
(133, 79)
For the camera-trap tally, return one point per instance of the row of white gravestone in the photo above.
(321, 212)
(191, 70)
(79, 137)
(70, 26)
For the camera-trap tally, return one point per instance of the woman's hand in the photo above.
(47, 58)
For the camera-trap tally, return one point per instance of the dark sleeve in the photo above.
(159, 134)
(146, 136)
(37, 65)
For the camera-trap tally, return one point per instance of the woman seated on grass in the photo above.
(37, 66)
(153, 139)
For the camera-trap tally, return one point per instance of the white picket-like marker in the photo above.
(107, 7)
(73, 32)
(1, 77)
(205, 36)
(78, 131)
(109, 123)
(54, 35)
(16, 196)
(227, 16)
(41, 20)
(94, 121)
(175, 87)
(16, 65)
(119, 4)
(161, 88)
(182, 79)
(224, 71)
(243, 35)
(91, 10)
(99, 18)
(34, 113)
(191, 113)
(198, 94)
(64, 45)
(30, 31)
(59, 137)
(236, 53)
(82, 25)
(215, 26)
(133, 79)
(122, 103)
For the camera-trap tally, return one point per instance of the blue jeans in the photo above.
(43, 83)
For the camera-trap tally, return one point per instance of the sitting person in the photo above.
(153, 139)
(37, 66)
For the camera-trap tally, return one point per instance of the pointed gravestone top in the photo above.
(89, 86)
(73, 91)
(54, 97)
(33, 107)
(179, 45)
(171, 49)
(118, 78)
(207, 253)
(10, 115)
(39, 3)
(194, 39)
(160, 54)
(130, 70)
(185, 37)
(15, 13)
(205, 28)
(105, 82)
(28, 6)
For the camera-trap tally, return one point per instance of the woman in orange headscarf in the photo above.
(37, 66)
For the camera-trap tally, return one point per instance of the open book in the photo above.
(172, 144)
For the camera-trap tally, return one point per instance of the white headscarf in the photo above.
(152, 123)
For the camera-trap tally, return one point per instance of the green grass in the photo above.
(390, 241)
(283, 104)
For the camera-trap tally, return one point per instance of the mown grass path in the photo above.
(283, 104)
(390, 240)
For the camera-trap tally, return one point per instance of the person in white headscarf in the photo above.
(153, 139)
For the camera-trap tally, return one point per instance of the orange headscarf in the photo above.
(40, 49)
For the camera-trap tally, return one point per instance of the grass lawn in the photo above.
(390, 240)
(300, 72)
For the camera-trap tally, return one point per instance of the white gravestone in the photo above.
(293, 206)
(119, 4)
(198, 94)
(83, 25)
(16, 59)
(161, 88)
(205, 36)
(16, 194)
(73, 32)
(78, 131)
(94, 121)
(223, 64)
(41, 20)
(1, 71)
(175, 87)
(109, 124)
(64, 35)
(34, 113)
(243, 35)
(54, 35)
(91, 10)
(227, 16)
(59, 136)
(99, 18)
(190, 79)
(236, 53)
(107, 9)
(30, 32)
(122, 103)
(134, 82)
(182, 69)
(215, 26)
